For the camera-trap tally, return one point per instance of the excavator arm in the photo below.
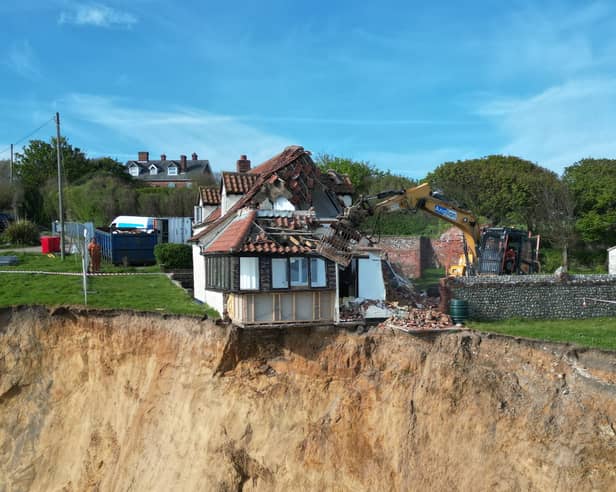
(422, 198)
(419, 198)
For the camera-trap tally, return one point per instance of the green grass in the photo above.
(71, 263)
(140, 292)
(591, 332)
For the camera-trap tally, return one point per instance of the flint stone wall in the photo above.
(536, 296)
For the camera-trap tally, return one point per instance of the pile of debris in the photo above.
(393, 315)
(399, 289)
(413, 319)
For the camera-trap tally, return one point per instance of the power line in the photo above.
(53, 118)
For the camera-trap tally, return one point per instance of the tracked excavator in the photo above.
(487, 251)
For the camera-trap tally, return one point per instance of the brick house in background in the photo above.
(255, 255)
(166, 173)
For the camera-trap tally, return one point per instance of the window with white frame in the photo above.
(317, 272)
(172, 171)
(249, 273)
(133, 170)
(280, 273)
(153, 169)
(298, 268)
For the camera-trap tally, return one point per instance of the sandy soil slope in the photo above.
(124, 401)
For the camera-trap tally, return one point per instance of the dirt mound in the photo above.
(118, 401)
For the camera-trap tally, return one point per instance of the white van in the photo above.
(129, 222)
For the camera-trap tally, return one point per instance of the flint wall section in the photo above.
(536, 296)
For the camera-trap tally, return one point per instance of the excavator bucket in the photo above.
(337, 244)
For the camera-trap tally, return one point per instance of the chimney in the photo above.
(243, 164)
(183, 163)
(163, 157)
(195, 156)
(143, 156)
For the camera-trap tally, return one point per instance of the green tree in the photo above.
(100, 199)
(593, 185)
(37, 165)
(503, 189)
(555, 219)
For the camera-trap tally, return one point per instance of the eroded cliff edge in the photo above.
(125, 401)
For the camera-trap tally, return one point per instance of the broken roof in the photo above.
(338, 183)
(291, 173)
(268, 231)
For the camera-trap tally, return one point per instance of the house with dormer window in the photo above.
(256, 255)
(169, 173)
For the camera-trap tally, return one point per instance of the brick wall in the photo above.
(411, 254)
(405, 253)
(536, 296)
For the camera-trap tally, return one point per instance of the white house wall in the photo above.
(215, 299)
(198, 273)
(227, 201)
(370, 278)
(612, 261)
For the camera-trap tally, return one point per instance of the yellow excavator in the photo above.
(487, 251)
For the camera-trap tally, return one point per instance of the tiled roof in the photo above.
(210, 195)
(238, 183)
(287, 156)
(233, 236)
(293, 166)
(194, 169)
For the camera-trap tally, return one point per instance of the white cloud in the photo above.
(560, 125)
(96, 15)
(221, 139)
(550, 41)
(415, 164)
(21, 59)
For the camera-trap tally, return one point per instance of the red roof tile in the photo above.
(210, 195)
(287, 156)
(238, 183)
(233, 236)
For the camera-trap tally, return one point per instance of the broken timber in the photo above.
(337, 244)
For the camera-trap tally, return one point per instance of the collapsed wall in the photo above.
(536, 296)
(117, 401)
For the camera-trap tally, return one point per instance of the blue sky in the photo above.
(403, 85)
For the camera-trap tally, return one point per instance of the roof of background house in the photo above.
(210, 195)
(194, 169)
(238, 183)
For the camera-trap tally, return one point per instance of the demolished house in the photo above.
(258, 254)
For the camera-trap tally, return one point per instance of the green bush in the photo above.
(22, 232)
(173, 255)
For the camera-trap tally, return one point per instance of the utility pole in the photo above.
(11, 166)
(60, 207)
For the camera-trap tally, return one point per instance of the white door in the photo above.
(370, 278)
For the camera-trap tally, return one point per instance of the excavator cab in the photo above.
(507, 251)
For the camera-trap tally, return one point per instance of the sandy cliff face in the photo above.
(116, 401)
